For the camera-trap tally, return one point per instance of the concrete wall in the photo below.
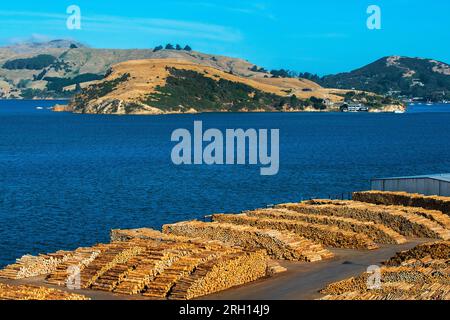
(425, 186)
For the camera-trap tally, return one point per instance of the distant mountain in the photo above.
(398, 76)
(32, 46)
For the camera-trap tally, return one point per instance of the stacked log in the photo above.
(228, 271)
(414, 274)
(433, 215)
(274, 267)
(154, 235)
(115, 254)
(405, 199)
(330, 236)
(437, 216)
(426, 262)
(160, 287)
(278, 244)
(434, 250)
(31, 266)
(80, 258)
(405, 223)
(27, 292)
(146, 234)
(377, 232)
(399, 292)
(154, 263)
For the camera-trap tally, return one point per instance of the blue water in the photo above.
(66, 180)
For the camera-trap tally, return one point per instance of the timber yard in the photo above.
(316, 249)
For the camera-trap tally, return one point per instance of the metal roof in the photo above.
(441, 177)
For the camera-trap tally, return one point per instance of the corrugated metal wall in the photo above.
(425, 186)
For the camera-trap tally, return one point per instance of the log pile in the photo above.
(216, 275)
(399, 292)
(116, 253)
(160, 287)
(433, 215)
(80, 258)
(405, 199)
(31, 266)
(437, 216)
(154, 235)
(405, 223)
(330, 236)
(411, 275)
(377, 232)
(27, 292)
(157, 261)
(145, 234)
(278, 244)
(434, 250)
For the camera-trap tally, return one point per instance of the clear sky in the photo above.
(321, 36)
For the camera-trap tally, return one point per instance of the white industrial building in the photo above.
(434, 184)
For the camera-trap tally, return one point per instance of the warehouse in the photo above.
(434, 184)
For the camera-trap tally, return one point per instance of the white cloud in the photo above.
(156, 26)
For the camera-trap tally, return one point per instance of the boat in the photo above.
(39, 108)
(399, 111)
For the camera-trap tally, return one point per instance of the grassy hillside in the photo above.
(55, 69)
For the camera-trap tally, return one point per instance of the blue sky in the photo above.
(321, 36)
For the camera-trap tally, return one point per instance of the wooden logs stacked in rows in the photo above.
(404, 283)
(434, 250)
(377, 232)
(32, 266)
(434, 215)
(162, 284)
(401, 291)
(415, 274)
(115, 254)
(404, 199)
(330, 236)
(145, 234)
(216, 275)
(154, 235)
(153, 264)
(278, 244)
(405, 223)
(77, 261)
(27, 292)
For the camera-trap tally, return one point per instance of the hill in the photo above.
(59, 68)
(405, 77)
(155, 86)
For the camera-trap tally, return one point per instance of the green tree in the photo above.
(169, 46)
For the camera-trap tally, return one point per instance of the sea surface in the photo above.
(67, 179)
